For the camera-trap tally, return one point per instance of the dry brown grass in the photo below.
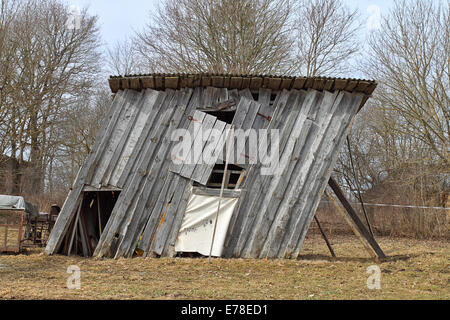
(392, 222)
(416, 270)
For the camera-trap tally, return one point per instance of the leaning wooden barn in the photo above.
(132, 196)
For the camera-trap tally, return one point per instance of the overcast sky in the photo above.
(118, 19)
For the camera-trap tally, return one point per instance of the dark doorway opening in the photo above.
(89, 222)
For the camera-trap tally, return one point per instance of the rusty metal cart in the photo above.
(11, 230)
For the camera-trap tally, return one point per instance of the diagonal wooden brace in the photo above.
(355, 222)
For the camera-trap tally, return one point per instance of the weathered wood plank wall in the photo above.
(134, 149)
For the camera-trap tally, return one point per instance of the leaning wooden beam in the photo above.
(319, 172)
(221, 189)
(99, 215)
(257, 184)
(294, 137)
(76, 225)
(350, 222)
(157, 171)
(134, 185)
(84, 245)
(325, 237)
(353, 220)
(243, 216)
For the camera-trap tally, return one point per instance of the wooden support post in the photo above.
(359, 187)
(82, 238)
(99, 217)
(75, 224)
(20, 231)
(87, 251)
(240, 180)
(76, 240)
(355, 223)
(221, 190)
(65, 248)
(86, 234)
(325, 237)
(6, 237)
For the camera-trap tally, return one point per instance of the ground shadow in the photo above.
(323, 257)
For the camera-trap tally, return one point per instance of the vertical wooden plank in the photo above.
(242, 220)
(303, 156)
(163, 230)
(307, 182)
(132, 189)
(195, 154)
(135, 141)
(264, 96)
(68, 210)
(163, 190)
(252, 174)
(324, 171)
(149, 195)
(297, 133)
(124, 139)
(135, 222)
(339, 118)
(136, 155)
(242, 110)
(260, 186)
(218, 149)
(272, 184)
(208, 155)
(158, 212)
(177, 220)
(193, 130)
(247, 124)
(115, 137)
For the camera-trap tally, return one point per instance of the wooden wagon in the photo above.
(11, 230)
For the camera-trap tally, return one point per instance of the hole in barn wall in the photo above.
(225, 116)
(234, 180)
(95, 212)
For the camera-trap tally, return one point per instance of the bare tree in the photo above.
(326, 37)
(8, 10)
(122, 58)
(221, 36)
(401, 138)
(53, 63)
(410, 57)
(78, 130)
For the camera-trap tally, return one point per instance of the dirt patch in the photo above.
(415, 270)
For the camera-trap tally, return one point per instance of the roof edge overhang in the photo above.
(163, 81)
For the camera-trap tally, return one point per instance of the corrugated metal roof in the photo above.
(162, 81)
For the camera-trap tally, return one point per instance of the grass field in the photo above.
(415, 270)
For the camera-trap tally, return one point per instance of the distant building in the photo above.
(11, 175)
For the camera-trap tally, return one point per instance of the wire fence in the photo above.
(421, 222)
